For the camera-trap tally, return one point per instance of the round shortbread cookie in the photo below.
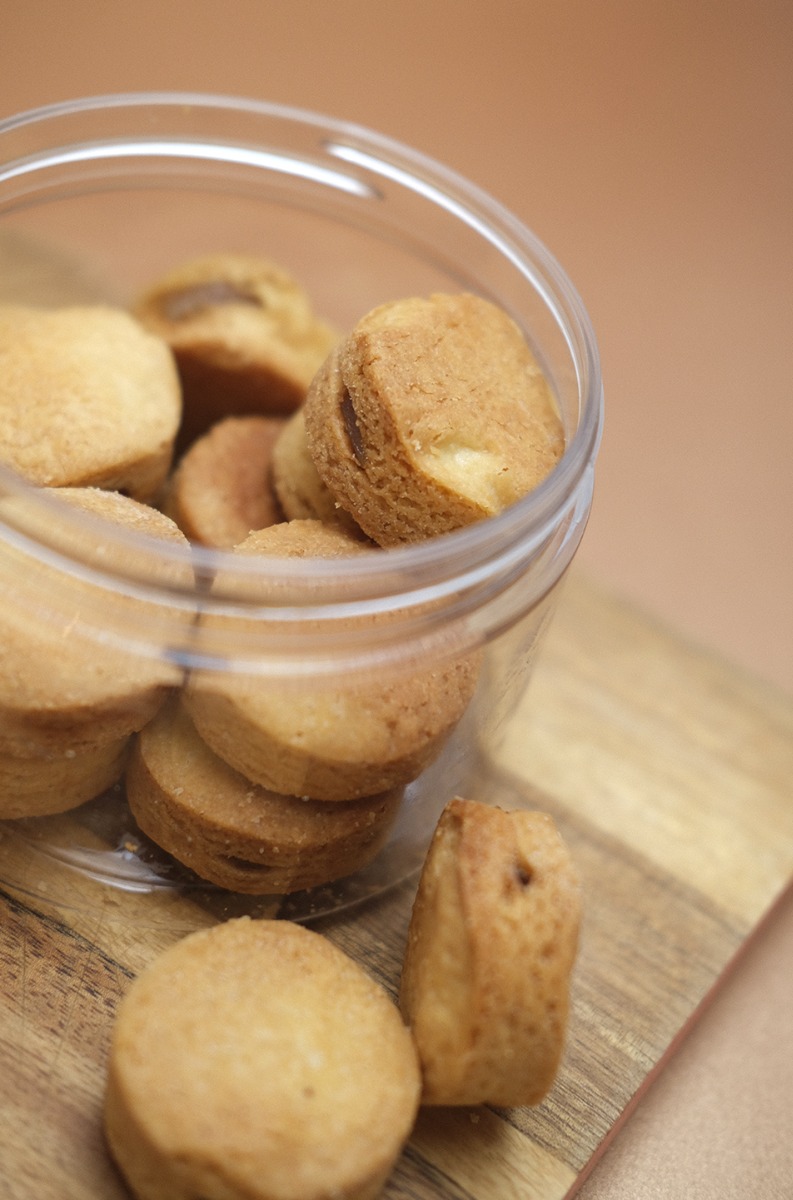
(38, 786)
(88, 397)
(63, 688)
(244, 334)
(432, 414)
(301, 492)
(222, 486)
(491, 946)
(335, 738)
(257, 1061)
(235, 834)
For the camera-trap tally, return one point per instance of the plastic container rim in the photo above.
(510, 536)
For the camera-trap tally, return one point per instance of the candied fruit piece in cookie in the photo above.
(238, 835)
(222, 487)
(431, 414)
(255, 1060)
(491, 946)
(88, 397)
(244, 333)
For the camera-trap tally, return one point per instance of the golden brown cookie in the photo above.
(255, 1061)
(301, 492)
(222, 487)
(235, 834)
(61, 687)
(244, 334)
(491, 946)
(39, 786)
(87, 398)
(337, 737)
(430, 415)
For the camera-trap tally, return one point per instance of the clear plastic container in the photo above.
(105, 194)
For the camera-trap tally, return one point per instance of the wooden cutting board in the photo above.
(668, 773)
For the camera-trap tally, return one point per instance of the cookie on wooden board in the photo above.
(491, 946)
(256, 1061)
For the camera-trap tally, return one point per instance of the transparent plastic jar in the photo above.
(108, 193)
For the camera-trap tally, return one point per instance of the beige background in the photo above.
(649, 143)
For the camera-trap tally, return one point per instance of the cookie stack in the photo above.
(255, 1059)
(68, 706)
(235, 418)
(89, 408)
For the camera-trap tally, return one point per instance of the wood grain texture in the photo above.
(668, 774)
